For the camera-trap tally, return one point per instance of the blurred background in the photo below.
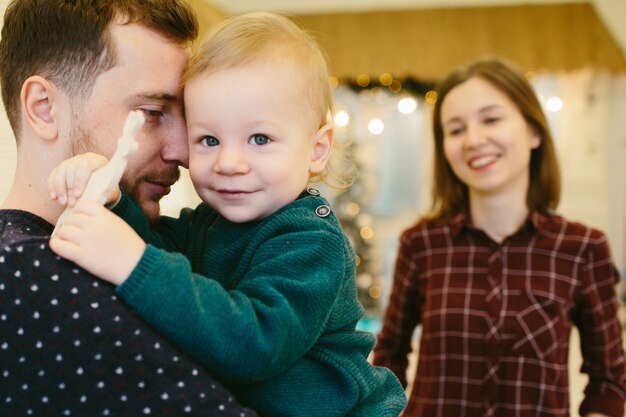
(386, 56)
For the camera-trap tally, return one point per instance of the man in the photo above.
(70, 72)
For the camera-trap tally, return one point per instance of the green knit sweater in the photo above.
(268, 307)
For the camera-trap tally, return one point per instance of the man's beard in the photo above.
(81, 142)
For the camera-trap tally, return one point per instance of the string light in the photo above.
(376, 126)
(431, 97)
(342, 118)
(395, 86)
(375, 291)
(363, 80)
(407, 105)
(353, 209)
(409, 85)
(554, 104)
(364, 280)
(386, 79)
(367, 232)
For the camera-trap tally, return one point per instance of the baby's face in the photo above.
(252, 145)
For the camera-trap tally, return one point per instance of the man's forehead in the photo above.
(146, 64)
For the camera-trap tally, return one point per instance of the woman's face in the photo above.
(486, 140)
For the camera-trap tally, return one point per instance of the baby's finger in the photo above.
(64, 248)
(81, 177)
(56, 184)
(51, 182)
(70, 180)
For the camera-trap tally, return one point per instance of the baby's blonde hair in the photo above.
(261, 36)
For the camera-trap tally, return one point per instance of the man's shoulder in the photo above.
(17, 226)
(23, 240)
(23, 236)
(69, 344)
(26, 257)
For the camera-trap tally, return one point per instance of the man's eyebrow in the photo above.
(158, 96)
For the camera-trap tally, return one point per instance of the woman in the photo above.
(493, 275)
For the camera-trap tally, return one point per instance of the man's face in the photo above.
(146, 77)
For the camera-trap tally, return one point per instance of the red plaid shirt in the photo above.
(496, 319)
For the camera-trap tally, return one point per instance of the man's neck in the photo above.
(27, 197)
(29, 192)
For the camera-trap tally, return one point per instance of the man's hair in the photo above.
(270, 37)
(450, 194)
(68, 41)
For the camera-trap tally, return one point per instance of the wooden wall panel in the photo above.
(427, 43)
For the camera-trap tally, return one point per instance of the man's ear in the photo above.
(39, 106)
(322, 146)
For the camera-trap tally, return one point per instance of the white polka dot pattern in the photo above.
(69, 347)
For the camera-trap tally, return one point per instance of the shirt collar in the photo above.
(536, 221)
(458, 223)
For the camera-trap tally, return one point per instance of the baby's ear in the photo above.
(39, 106)
(322, 146)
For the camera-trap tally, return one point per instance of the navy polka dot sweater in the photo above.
(69, 347)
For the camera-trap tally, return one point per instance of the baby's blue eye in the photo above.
(259, 139)
(210, 141)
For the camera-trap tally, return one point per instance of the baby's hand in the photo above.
(99, 241)
(68, 180)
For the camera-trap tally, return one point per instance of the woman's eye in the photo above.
(259, 139)
(491, 120)
(209, 141)
(455, 132)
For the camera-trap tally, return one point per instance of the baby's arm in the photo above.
(251, 331)
(99, 241)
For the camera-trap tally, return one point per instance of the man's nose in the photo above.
(175, 144)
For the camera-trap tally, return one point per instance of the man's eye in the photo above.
(259, 139)
(209, 141)
(151, 114)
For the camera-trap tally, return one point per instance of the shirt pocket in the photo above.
(540, 328)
